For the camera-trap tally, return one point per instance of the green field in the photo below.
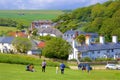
(4, 30)
(30, 15)
(17, 72)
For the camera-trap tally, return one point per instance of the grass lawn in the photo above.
(4, 29)
(17, 72)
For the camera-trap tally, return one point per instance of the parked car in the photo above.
(111, 66)
(118, 66)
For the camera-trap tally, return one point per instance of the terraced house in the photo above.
(96, 50)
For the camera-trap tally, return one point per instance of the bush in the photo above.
(104, 59)
(24, 59)
(86, 59)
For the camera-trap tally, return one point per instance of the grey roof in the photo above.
(36, 51)
(50, 31)
(34, 44)
(6, 39)
(93, 47)
(1, 38)
(72, 32)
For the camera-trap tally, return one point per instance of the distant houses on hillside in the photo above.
(46, 27)
(42, 24)
(89, 49)
(70, 34)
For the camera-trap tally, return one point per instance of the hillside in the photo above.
(25, 17)
(101, 18)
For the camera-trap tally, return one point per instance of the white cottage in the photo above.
(96, 50)
(6, 44)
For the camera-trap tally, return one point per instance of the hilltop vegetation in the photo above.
(101, 18)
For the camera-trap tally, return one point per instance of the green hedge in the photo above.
(24, 59)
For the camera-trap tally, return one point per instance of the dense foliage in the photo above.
(22, 44)
(13, 23)
(57, 48)
(101, 18)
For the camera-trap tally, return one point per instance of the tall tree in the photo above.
(22, 44)
(80, 39)
(57, 48)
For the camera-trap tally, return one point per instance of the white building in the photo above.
(42, 24)
(49, 31)
(6, 44)
(96, 50)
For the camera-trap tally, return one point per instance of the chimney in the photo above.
(87, 39)
(102, 39)
(76, 34)
(114, 39)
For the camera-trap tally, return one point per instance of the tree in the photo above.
(57, 48)
(22, 44)
(81, 39)
(34, 32)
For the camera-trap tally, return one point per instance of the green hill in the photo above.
(101, 18)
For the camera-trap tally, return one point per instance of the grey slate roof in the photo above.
(6, 39)
(50, 31)
(72, 32)
(34, 44)
(93, 47)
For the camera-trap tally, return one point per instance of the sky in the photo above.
(46, 4)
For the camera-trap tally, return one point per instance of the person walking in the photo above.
(43, 66)
(88, 68)
(62, 66)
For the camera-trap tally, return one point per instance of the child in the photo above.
(57, 69)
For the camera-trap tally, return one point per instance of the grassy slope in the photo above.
(3, 28)
(30, 15)
(17, 72)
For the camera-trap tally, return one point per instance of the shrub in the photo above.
(24, 59)
(104, 59)
(86, 59)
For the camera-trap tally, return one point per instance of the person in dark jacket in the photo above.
(62, 66)
(43, 66)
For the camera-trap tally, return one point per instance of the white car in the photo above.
(118, 66)
(111, 66)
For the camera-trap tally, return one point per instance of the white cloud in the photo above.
(46, 4)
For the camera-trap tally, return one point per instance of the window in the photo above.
(112, 50)
(98, 52)
(108, 51)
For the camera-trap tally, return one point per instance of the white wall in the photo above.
(45, 34)
(102, 54)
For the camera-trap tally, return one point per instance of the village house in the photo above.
(49, 31)
(6, 44)
(45, 27)
(42, 24)
(70, 34)
(96, 50)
